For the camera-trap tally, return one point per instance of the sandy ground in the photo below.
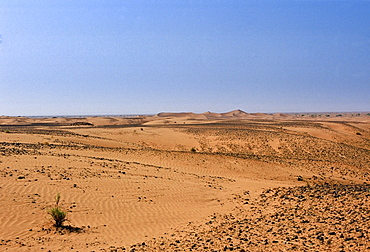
(187, 182)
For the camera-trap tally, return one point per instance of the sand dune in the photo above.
(186, 182)
(235, 114)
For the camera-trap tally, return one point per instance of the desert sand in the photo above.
(187, 182)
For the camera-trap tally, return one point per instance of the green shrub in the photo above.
(58, 215)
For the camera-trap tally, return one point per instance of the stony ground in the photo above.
(322, 217)
(182, 184)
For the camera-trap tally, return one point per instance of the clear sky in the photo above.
(87, 57)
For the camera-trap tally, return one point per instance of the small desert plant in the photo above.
(58, 215)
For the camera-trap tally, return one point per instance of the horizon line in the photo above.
(151, 114)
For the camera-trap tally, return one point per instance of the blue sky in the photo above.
(86, 57)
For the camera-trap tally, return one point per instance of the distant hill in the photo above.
(206, 115)
(235, 114)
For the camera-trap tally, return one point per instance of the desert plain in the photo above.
(187, 182)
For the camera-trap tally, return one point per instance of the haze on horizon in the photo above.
(143, 57)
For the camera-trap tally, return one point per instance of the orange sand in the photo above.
(125, 181)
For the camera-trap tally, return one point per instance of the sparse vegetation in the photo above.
(58, 215)
(194, 161)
